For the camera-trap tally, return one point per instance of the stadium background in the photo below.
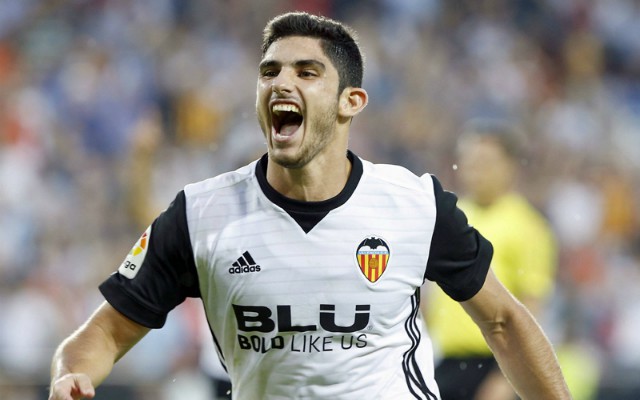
(107, 108)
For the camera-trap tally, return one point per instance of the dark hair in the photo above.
(338, 41)
(509, 137)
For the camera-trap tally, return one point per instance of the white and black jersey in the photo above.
(308, 300)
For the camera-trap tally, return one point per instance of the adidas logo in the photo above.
(244, 264)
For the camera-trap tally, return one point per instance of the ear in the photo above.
(352, 101)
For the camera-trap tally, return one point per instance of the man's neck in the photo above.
(322, 179)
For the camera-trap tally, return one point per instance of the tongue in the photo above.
(289, 129)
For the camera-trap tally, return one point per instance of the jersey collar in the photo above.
(308, 213)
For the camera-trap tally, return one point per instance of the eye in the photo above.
(308, 73)
(269, 73)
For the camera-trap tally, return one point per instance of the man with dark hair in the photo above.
(309, 261)
(338, 42)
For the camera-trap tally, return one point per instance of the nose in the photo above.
(282, 83)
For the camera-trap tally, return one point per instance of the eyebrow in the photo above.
(310, 63)
(298, 64)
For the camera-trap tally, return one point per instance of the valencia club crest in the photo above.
(373, 256)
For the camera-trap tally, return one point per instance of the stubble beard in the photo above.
(323, 129)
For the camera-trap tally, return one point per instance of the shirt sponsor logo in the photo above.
(261, 319)
(372, 256)
(299, 338)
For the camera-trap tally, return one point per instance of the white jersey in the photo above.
(308, 300)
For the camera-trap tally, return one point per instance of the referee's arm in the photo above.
(517, 341)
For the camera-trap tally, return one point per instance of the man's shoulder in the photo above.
(397, 176)
(520, 207)
(220, 182)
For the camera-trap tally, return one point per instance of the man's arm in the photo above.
(85, 358)
(495, 386)
(517, 341)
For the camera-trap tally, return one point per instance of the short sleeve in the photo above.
(459, 256)
(159, 273)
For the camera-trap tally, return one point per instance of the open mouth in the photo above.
(286, 118)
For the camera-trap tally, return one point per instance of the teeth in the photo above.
(285, 107)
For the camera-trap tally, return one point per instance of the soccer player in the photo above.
(309, 261)
(489, 153)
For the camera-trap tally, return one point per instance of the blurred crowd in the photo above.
(109, 107)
